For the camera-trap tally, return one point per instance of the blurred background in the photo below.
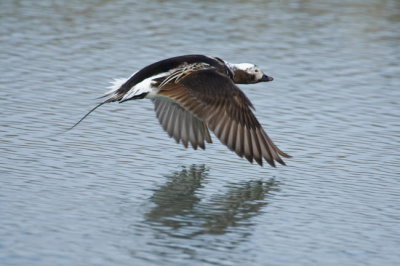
(117, 190)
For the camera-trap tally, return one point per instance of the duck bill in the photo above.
(266, 78)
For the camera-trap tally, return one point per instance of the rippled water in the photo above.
(117, 191)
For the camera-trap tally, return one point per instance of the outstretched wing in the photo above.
(213, 98)
(181, 124)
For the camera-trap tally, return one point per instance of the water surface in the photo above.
(117, 191)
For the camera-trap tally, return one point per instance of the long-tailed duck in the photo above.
(195, 93)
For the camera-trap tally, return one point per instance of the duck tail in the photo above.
(87, 114)
(112, 96)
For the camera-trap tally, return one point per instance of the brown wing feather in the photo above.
(181, 124)
(214, 99)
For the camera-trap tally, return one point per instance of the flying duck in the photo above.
(193, 94)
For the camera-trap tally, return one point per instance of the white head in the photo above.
(246, 73)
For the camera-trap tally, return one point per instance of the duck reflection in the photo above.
(179, 204)
(237, 206)
(178, 196)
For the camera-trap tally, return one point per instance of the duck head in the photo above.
(246, 73)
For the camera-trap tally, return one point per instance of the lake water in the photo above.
(117, 191)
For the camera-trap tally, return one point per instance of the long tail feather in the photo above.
(94, 108)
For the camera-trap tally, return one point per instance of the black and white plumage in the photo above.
(193, 94)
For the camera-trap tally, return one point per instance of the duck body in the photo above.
(147, 79)
(193, 94)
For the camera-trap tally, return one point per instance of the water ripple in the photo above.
(116, 190)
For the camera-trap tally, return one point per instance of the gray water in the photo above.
(117, 191)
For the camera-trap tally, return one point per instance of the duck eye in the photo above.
(256, 70)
